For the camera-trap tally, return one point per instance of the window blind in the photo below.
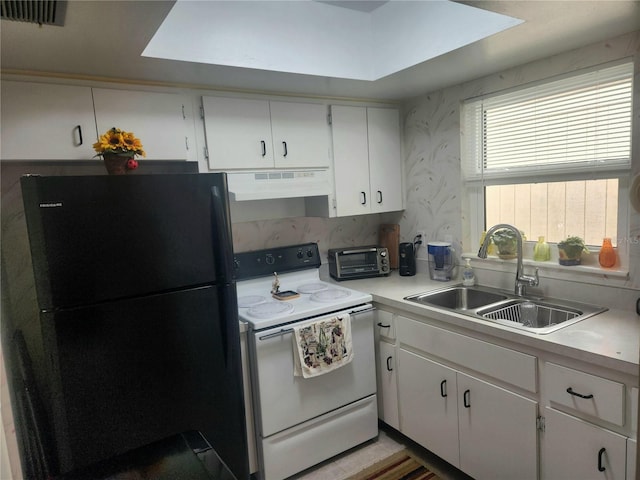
(576, 124)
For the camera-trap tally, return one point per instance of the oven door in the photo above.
(284, 400)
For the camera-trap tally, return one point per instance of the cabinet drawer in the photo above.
(589, 394)
(508, 365)
(385, 325)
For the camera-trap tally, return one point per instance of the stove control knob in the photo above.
(269, 259)
(309, 253)
(300, 254)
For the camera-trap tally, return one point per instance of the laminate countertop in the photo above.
(610, 339)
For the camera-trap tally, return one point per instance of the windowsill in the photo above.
(588, 272)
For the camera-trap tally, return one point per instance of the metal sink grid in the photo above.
(506, 309)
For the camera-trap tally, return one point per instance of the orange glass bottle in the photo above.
(607, 257)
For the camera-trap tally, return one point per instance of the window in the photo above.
(552, 158)
(556, 210)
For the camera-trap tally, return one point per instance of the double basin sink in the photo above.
(537, 315)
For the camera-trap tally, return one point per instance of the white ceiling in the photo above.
(317, 38)
(105, 39)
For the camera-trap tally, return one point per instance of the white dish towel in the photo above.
(322, 346)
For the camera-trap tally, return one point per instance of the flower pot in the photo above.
(569, 258)
(507, 255)
(506, 250)
(119, 164)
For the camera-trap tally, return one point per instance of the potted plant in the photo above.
(118, 149)
(570, 251)
(506, 241)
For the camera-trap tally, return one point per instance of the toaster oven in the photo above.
(358, 262)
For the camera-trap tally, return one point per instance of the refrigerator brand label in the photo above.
(51, 205)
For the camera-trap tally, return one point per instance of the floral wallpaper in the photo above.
(436, 200)
(432, 168)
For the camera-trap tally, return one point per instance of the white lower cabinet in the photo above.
(387, 384)
(577, 449)
(632, 449)
(496, 412)
(576, 442)
(428, 398)
(387, 377)
(498, 431)
(484, 430)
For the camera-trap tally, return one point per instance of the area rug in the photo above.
(399, 466)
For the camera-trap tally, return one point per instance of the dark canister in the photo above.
(407, 260)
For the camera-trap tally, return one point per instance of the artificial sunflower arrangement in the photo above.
(116, 142)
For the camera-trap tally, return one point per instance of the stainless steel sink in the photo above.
(546, 315)
(459, 298)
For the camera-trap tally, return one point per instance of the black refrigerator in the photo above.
(137, 313)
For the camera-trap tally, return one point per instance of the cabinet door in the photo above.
(47, 122)
(632, 448)
(576, 449)
(157, 119)
(498, 433)
(385, 162)
(427, 394)
(350, 160)
(387, 386)
(300, 135)
(386, 325)
(238, 133)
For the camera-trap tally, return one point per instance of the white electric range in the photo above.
(301, 422)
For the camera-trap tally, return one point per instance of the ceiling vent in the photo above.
(42, 12)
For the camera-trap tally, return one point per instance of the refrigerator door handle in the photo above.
(221, 236)
(226, 311)
(223, 263)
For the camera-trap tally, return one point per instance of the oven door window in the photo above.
(360, 262)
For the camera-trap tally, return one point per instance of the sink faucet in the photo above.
(522, 280)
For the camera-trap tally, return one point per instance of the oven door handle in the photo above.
(364, 309)
(282, 331)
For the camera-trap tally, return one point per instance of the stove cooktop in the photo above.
(297, 270)
(257, 307)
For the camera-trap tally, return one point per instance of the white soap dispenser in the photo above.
(468, 277)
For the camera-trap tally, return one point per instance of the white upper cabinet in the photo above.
(157, 119)
(257, 134)
(300, 135)
(238, 133)
(385, 164)
(47, 122)
(367, 160)
(350, 160)
(44, 121)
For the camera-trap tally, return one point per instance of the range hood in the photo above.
(272, 184)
